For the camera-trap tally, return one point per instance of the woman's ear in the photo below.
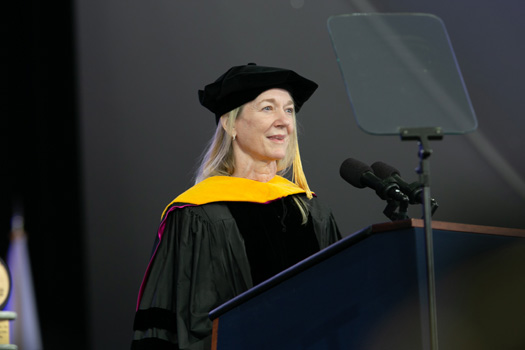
(224, 122)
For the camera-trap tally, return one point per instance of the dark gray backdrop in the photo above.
(142, 128)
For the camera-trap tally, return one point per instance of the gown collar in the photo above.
(236, 189)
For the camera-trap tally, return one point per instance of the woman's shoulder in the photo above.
(318, 207)
(209, 212)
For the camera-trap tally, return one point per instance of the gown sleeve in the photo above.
(325, 226)
(199, 263)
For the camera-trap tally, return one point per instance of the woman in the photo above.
(241, 223)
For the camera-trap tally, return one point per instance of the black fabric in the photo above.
(274, 236)
(153, 343)
(242, 84)
(155, 318)
(200, 262)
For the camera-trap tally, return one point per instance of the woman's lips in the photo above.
(277, 137)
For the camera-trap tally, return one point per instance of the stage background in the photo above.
(107, 129)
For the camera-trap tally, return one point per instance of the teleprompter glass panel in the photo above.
(400, 72)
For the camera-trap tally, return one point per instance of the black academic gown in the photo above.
(200, 261)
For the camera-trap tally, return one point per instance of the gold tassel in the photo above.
(298, 176)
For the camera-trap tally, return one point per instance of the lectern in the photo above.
(369, 291)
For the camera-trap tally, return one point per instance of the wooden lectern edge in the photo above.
(449, 226)
(215, 334)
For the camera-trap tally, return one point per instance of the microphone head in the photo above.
(383, 170)
(351, 171)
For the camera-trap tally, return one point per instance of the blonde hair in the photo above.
(218, 158)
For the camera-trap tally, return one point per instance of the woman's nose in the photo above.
(284, 119)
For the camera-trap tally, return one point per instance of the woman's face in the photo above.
(264, 127)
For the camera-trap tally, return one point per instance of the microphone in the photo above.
(360, 175)
(414, 191)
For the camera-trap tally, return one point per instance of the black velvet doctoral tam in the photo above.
(242, 84)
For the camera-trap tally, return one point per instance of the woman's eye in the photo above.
(267, 108)
(289, 110)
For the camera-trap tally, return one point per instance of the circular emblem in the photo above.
(5, 284)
